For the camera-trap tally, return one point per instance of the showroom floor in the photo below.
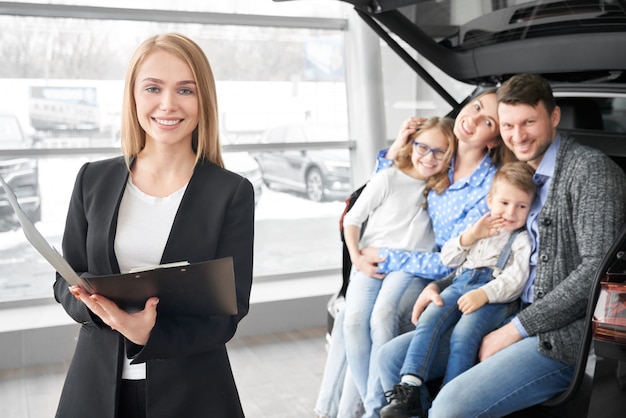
(278, 376)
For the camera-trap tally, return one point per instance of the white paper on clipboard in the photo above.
(44, 248)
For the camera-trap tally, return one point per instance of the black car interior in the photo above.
(474, 55)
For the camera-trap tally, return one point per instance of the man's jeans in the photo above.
(515, 378)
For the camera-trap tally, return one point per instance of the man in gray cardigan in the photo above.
(579, 210)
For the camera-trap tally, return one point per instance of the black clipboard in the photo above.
(205, 288)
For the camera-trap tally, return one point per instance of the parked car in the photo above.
(20, 173)
(319, 174)
(242, 163)
(578, 46)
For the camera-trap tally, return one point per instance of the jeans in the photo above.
(468, 330)
(338, 396)
(371, 319)
(515, 378)
(391, 357)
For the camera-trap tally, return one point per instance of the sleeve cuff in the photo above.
(383, 266)
(520, 328)
(381, 161)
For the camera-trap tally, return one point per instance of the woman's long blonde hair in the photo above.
(205, 138)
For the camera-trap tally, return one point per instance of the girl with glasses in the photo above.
(394, 206)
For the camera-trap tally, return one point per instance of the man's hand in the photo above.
(498, 340)
(430, 294)
(472, 301)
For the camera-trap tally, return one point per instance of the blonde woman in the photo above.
(167, 199)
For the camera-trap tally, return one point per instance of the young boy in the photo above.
(493, 255)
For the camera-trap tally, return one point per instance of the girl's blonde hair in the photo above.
(440, 181)
(205, 137)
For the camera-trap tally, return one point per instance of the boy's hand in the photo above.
(472, 301)
(485, 227)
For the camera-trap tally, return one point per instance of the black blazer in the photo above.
(188, 373)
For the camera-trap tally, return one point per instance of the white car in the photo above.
(242, 163)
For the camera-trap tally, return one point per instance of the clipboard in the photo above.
(205, 288)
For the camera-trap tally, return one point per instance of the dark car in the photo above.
(319, 174)
(578, 46)
(21, 174)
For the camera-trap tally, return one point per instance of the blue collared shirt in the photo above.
(451, 212)
(542, 178)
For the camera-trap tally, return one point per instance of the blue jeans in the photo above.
(371, 319)
(515, 378)
(392, 354)
(338, 396)
(467, 334)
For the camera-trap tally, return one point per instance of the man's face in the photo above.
(528, 131)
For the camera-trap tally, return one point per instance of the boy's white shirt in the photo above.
(509, 285)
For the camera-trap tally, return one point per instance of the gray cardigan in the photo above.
(581, 218)
(583, 214)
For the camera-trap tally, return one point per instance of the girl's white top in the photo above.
(393, 205)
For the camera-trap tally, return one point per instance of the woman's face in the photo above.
(477, 123)
(166, 96)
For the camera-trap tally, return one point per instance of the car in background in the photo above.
(20, 173)
(242, 163)
(299, 165)
(578, 46)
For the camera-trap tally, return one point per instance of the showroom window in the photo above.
(62, 81)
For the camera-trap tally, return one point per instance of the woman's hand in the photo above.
(430, 294)
(367, 263)
(135, 326)
(408, 128)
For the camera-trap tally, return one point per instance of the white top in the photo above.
(509, 284)
(393, 205)
(143, 226)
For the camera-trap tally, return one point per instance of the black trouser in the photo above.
(132, 399)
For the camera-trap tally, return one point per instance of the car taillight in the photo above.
(609, 319)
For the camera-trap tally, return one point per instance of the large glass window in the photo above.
(62, 82)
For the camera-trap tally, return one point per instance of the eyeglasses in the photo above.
(424, 150)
